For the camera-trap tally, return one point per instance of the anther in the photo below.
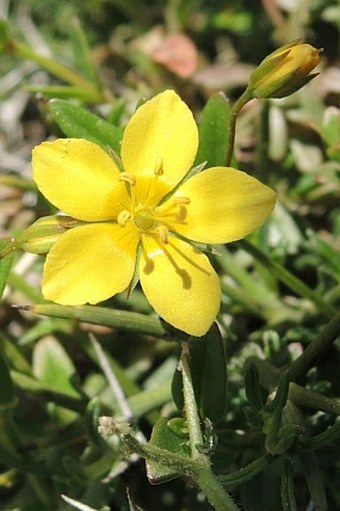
(123, 217)
(159, 170)
(180, 201)
(163, 233)
(127, 177)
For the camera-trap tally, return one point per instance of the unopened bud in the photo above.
(284, 71)
(39, 237)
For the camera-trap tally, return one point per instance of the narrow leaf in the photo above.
(77, 122)
(5, 267)
(213, 131)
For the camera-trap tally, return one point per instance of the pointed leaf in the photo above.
(53, 366)
(213, 134)
(79, 123)
(166, 437)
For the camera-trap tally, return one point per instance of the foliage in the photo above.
(270, 429)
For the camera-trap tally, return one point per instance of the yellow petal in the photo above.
(78, 177)
(162, 135)
(89, 264)
(225, 205)
(180, 284)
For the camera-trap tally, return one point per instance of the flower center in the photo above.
(146, 210)
(144, 219)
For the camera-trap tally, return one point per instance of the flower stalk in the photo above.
(204, 477)
(246, 96)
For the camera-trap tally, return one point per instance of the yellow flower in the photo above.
(137, 221)
(284, 71)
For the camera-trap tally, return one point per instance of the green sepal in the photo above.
(77, 122)
(213, 133)
(39, 237)
(169, 437)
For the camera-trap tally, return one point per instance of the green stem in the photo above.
(193, 420)
(215, 492)
(8, 249)
(316, 349)
(287, 486)
(242, 100)
(263, 142)
(204, 477)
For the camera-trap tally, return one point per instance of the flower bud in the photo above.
(284, 71)
(39, 237)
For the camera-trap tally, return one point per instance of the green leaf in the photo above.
(214, 377)
(125, 320)
(253, 390)
(64, 92)
(212, 129)
(5, 266)
(172, 439)
(6, 385)
(314, 480)
(82, 53)
(52, 366)
(287, 486)
(209, 375)
(77, 122)
(330, 128)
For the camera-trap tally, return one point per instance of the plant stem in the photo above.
(214, 491)
(263, 142)
(242, 100)
(203, 475)
(194, 427)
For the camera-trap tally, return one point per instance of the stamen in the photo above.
(181, 213)
(123, 217)
(176, 203)
(163, 233)
(181, 201)
(127, 177)
(159, 170)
